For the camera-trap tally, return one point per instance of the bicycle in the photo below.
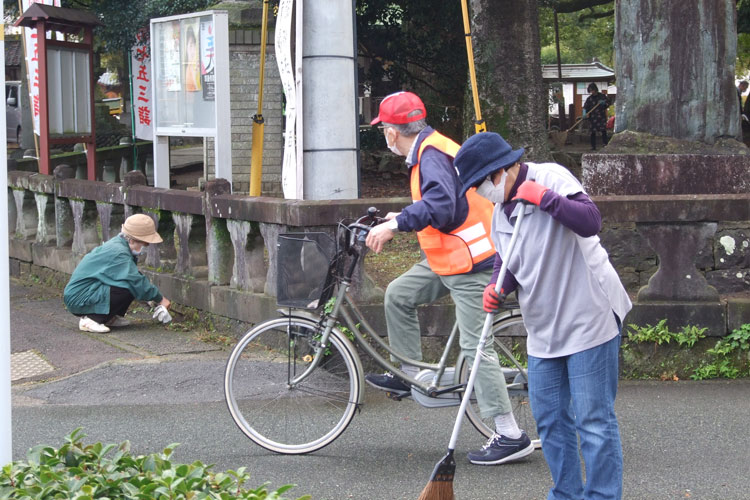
(294, 383)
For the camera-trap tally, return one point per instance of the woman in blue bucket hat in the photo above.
(573, 304)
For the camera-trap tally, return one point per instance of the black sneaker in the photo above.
(500, 449)
(387, 382)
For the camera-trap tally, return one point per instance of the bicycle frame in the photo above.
(346, 309)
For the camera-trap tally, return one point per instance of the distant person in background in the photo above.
(595, 109)
(107, 279)
(741, 89)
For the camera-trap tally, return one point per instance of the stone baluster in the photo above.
(26, 214)
(105, 216)
(153, 257)
(85, 233)
(64, 223)
(183, 224)
(45, 208)
(678, 289)
(249, 271)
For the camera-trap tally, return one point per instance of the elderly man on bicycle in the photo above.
(454, 232)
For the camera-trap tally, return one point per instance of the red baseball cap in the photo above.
(397, 107)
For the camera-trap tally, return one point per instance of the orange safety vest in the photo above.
(470, 243)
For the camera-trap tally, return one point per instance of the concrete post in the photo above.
(329, 68)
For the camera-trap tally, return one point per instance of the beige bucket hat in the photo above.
(141, 227)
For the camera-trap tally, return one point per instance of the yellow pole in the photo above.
(256, 155)
(479, 124)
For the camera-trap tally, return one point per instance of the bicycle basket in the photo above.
(305, 268)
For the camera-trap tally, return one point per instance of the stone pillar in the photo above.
(675, 69)
(218, 243)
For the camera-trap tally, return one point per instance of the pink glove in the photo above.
(531, 192)
(491, 300)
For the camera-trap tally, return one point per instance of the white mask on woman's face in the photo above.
(137, 248)
(494, 193)
(392, 147)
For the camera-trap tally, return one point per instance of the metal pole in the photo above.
(256, 156)
(132, 111)
(6, 448)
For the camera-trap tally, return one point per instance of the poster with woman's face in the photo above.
(191, 64)
(171, 55)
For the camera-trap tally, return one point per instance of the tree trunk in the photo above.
(513, 97)
(675, 69)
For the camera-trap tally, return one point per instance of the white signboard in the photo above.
(190, 86)
(142, 106)
(32, 61)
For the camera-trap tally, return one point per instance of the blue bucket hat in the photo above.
(481, 155)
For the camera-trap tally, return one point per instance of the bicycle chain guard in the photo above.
(442, 401)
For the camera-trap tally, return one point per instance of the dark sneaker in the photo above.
(500, 449)
(387, 382)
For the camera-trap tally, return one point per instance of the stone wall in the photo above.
(675, 253)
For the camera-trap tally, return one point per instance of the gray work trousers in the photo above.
(420, 285)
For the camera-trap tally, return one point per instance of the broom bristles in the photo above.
(437, 490)
(440, 486)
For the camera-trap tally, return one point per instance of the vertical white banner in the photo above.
(282, 44)
(32, 61)
(142, 107)
(6, 448)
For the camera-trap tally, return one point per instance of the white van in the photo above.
(13, 111)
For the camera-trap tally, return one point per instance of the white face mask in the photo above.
(392, 147)
(494, 193)
(138, 252)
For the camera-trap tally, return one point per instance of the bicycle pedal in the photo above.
(397, 395)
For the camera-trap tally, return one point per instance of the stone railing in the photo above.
(219, 249)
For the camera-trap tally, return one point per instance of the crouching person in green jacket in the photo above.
(107, 279)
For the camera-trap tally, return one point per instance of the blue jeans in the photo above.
(577, 393)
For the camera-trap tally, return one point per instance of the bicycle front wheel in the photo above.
(284, 416)
(516, 380)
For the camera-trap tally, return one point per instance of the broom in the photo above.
(440, 486)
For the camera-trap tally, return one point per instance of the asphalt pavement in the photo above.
(155, 385)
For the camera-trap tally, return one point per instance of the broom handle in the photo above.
(485, 332)
(581, 118)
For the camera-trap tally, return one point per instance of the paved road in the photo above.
(155, 386)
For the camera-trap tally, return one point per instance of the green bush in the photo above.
(85, 472)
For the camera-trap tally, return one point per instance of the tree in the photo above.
(122, 19)
(583, 36)
(416, 45)
(509, 74)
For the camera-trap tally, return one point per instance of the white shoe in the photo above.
(87, 324)
(117, 321)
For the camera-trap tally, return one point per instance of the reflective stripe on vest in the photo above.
(467, 245)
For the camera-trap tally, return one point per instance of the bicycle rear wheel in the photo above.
(292, 418)
(515, 379)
